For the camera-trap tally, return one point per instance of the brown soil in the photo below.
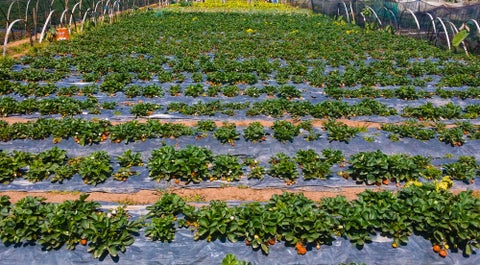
(188, 122)
(143, 197)
(193, 195)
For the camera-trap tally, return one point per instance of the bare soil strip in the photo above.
(143, 197)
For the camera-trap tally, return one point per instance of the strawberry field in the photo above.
(256, 96)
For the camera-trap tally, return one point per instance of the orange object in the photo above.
(62, 34)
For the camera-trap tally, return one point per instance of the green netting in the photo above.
(432, 20)
(36, 12)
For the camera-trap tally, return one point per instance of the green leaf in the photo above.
(459, 37)
(264, 248)
(112, 251)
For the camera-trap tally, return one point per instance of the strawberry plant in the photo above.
(466, 168)
(283, 167)
(144, 109)
(452, 136)
(190, 164)
(411, 129)
(312, 165)
(231, 259)
(110, 233)
(402, 167)
(194, 90)
(130, 159)
(252, 91)
(227, 133)
(151, 91)
(338, 131)
(230, 91)
(368, 167)
(226, 167)
(163, 215)
(95, 168)
(288, 92)
(284, 131)
(254, 132)
(206, 126)
(215, 221)
(9, 168)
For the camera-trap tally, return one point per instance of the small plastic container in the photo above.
(62, 34)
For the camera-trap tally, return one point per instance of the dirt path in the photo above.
(192, 195)
(190, 122)
(143, 197)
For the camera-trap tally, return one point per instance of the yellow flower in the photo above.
(249, 30)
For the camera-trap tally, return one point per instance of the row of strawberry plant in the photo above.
(276, 108)
(54, 164)
(66, 106)
(93, 132)
(450, 223)
(54, 225)
(197, 90)
(197, 164)
(298, 221)
(455, 135)
(403, 92)
(375, 167)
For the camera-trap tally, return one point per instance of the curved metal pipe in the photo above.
(7, 33)
(375, 14)
(433, 23)
(84, 18)
(414, 17)
(446, 33)
(346, 11)
(47, 21)
(73, 12)
(475, 22)
(394, 17)
(62, 17)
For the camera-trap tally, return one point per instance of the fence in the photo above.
(435, 21)
(32, 18)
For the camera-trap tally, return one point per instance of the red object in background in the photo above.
(62, 34)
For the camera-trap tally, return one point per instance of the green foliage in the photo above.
(95, 168)
(283, 167)
(284, 131)
(255, 132)
(226, 167)
(227, 133)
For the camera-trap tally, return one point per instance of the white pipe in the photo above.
(63, 16)
(394, 17)
(7, 33)
(414, 17)
(375, 14)
(73, 12)
(433, 23)
(84, 17)
(45, 25)
(446, 33)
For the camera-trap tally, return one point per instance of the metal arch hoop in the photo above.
(7, 33)
(394, 17)
(45, 26)
(375, 14)
(85, 17)
(414, 17)
(346, 11)
(446, 33)
(474, 22)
